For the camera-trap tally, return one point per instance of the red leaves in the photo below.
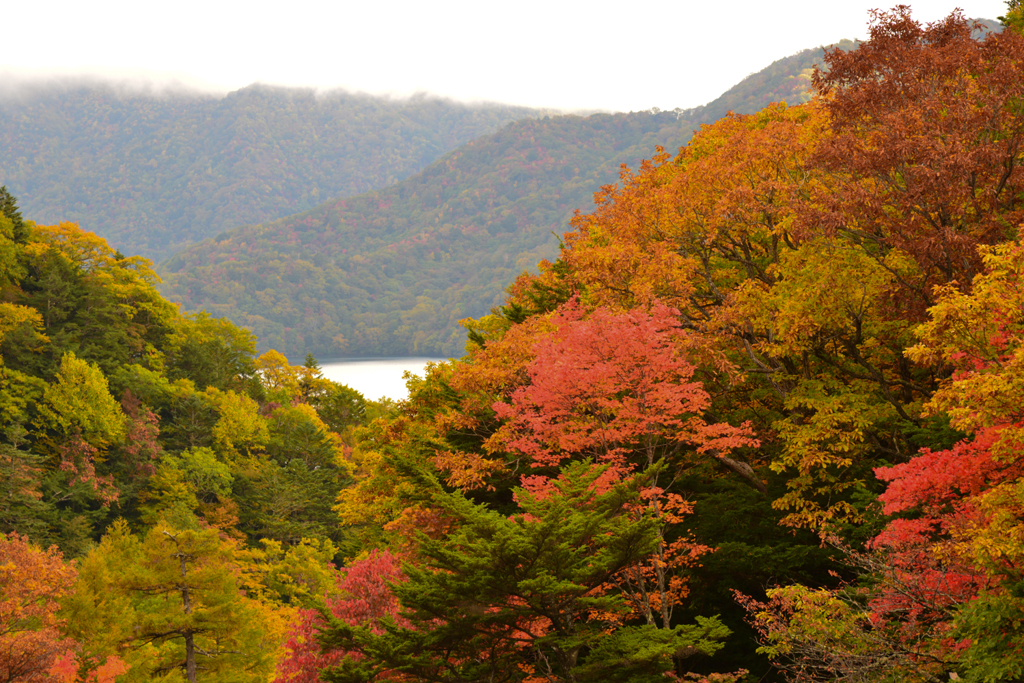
(365, 590)
(78, 458)
(365, 595)
(140, 448)
(928, 557)
(616, 388)
(936, 479)
(612, 386)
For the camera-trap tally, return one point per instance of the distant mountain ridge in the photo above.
(153, 173)
(392, 271)
(784, 80)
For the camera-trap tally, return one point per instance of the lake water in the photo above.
(375, 378)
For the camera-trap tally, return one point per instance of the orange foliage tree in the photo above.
(32, 582)
(927, 136)
(617, 388)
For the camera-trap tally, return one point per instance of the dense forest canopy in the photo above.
(392, 272)
(759, 421)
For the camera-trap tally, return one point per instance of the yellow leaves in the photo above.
(488, 327)
(13, 316)
(383, 494)
(296, 575)
(86, 249)
(79, 401)
(798, 617)
(374, 500)
(240, 429)
(979, 334)
(824, 436)
(825, 289)
(622, 275)
(993, 538)
(169, 489)
(286, 383)
(278, 376)
(92, 254)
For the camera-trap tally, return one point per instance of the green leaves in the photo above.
(78, 401)
(503, 598)
(993, 626)
(171, 602)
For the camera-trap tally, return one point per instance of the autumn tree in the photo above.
(32, 583)
(927, 133)
(361, 595)
(941, 588)
(523, 597)
(619, 388)
(172, 604)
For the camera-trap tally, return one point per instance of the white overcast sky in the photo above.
(624, 55)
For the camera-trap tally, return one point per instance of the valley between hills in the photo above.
(336, 223)
(733, 397)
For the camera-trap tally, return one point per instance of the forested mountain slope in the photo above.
(155, 172)
(392, 272)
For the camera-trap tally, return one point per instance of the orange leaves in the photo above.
(928, 133)
(32, 581)
(686, 231)
(609, 250)
(465, 470)
(65, 670)
(609, 386)
(652, 588)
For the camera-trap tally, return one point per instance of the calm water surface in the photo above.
(375, 378)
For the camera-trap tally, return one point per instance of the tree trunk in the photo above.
(744, 470)
(190, 657)
(186, 603)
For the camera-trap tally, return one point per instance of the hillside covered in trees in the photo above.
(393, 271)
(168, 438)
(761, 420)
(153, 172)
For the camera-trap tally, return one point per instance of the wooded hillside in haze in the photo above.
(153, 173)
(393, 271)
